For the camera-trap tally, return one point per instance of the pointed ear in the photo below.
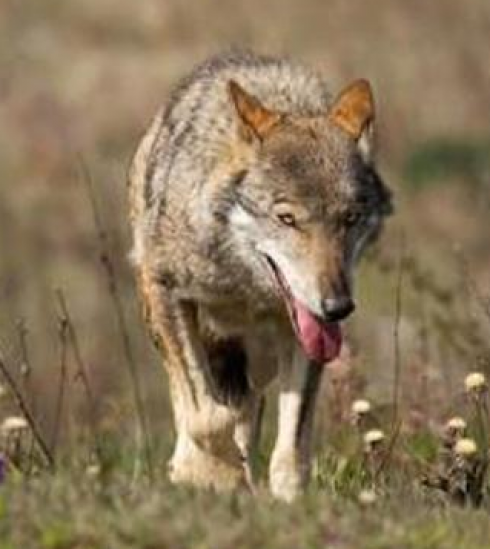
(256, 120)
(353, 109)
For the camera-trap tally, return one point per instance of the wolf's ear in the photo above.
(353, 112)
(256, 120)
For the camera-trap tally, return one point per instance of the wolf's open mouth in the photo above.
(320, 340)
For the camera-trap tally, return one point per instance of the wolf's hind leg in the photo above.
(206, 453)
(290, 461)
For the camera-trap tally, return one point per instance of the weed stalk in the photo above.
(142, 432)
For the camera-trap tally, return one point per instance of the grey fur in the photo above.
(206, 197)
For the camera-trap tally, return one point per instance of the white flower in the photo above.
(475, 381)
(93, 470)
(13, 423)
(456, 423)
(361, 407)
(373, 437)
(465, 447)
(367, 497)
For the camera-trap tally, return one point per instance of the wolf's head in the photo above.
(307, 204)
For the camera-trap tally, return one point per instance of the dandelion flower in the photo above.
(367, 497)
(455, 426)
(454, 430)
(373, 437)
(361, 407)
(456, 423)
(13, 423)
(475, 382)
(93, 470)
(465, 447)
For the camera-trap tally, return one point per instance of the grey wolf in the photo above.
(252, 195)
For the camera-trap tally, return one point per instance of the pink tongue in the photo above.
(321, 342)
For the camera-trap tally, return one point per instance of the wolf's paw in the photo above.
(285, 479)
(191, 464)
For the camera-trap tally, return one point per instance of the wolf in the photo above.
(252, 196)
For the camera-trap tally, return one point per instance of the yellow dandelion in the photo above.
(456, 424)
(367, 497)
(361, 407)
(475, 382)
(93, 470)
(465, 447)
(373, 438)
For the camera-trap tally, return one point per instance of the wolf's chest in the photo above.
(235, 318)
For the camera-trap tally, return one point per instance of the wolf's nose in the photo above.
(338, 308)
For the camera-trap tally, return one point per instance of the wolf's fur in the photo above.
(243, 143)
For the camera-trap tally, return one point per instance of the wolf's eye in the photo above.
(287, 219)
(352, 218)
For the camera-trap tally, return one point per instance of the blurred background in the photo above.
(80, 81)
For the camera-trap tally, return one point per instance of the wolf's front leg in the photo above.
(290, 462)
(247, 434)
(205, 453)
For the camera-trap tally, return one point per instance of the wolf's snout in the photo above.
(337, 308)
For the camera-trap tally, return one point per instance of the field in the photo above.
(79, 81)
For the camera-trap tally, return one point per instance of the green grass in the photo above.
(441, 160)
(70, 510)
(73, 508)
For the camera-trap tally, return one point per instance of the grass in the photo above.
(443, 160)
(383, 494)
(69, 510)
